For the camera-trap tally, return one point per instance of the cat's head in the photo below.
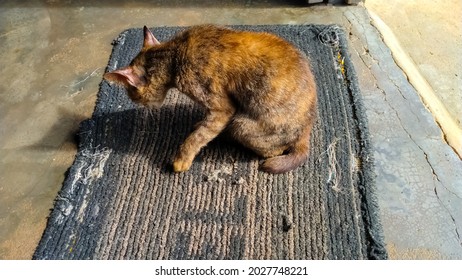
(148, 89)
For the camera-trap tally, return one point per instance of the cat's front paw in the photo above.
(181, 166)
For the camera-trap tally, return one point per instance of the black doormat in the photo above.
(121, 200)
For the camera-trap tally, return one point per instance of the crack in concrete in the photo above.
(366, 53)
(444, 132)
(434, 173)
(375, 61)
(456, 228)
(397, 87)
(451, 131)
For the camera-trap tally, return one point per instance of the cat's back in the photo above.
(259, 70)
(227, 45)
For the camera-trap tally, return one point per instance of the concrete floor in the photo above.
(419, 27)
(53, 54)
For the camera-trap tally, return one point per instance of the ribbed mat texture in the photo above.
(120, 199)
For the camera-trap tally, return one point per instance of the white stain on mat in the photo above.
(89, 167)
(92, 172)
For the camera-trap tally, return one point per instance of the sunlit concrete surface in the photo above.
(53, 54)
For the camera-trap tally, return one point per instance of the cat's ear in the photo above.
(126, 76)
(149, 39)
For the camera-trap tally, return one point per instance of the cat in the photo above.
(255, 86)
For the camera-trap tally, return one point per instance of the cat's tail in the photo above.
(295, 157)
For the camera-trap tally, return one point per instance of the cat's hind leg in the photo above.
(259, 136)
(284, 147)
